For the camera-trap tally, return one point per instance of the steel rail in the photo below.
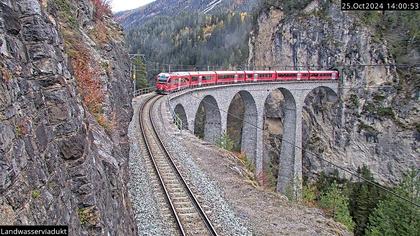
(177, 173)
(149, 150)
(190, 193)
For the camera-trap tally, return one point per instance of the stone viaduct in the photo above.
(216, 101)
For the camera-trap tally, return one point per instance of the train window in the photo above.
(207, 77)
(163, 78)
(240, 76)
(249, 76)
(194, 78)
(226, 76)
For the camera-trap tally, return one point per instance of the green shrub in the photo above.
(309, 194)
(354, 100)
(378, 97)
(386, 112)
(66, 12)
(225, 142)
(336, 205)
(36, 194)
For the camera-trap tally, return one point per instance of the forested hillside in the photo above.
(193, 39)
(136, 17)
(190, 36)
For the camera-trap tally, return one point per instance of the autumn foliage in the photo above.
(87, 80)
(102, 8)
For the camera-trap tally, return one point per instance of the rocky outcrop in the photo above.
(63, 160)
(374, 119)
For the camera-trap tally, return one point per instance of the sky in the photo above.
(122, 5)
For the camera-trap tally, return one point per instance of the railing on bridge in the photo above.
(177, 121)
(144, 91)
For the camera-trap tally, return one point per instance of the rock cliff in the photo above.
(374, 120)
(65, 105)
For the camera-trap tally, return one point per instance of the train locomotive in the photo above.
(170, 82)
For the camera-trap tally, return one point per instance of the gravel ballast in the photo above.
(149, 221)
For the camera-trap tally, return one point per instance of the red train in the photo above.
(169, 82)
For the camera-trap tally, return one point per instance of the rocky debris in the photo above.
(375, 119)
(58, 165)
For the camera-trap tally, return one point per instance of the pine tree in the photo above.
(336, 204)
(364, 197)
(140, 73)
(394, 216)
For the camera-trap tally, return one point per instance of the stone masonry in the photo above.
(216, 101)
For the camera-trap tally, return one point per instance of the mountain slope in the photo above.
(172, 8)
(190, 35)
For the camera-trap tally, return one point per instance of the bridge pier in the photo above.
(260, 163)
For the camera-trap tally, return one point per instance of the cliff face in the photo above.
(65, 105)
(374, 120)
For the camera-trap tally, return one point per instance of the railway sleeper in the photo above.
(183, 205)
(176, 190)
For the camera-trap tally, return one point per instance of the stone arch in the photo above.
(248, 132)
(322, 92)
(212, 119)
(182, 115)
(285, 179)
(320, 122)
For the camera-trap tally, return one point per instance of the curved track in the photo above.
(189, 216)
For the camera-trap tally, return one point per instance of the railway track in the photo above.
(181, 210)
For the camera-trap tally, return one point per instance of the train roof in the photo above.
(228, 72)
(203, 73)
(179, 73)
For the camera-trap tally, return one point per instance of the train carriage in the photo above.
(264, 75)
(230, 76)
(169, 82)
(287, 75)
(202, 78)
(323, 75)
